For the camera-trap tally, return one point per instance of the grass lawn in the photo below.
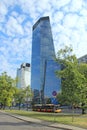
(78, 120)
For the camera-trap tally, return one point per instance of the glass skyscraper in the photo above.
(44, 83)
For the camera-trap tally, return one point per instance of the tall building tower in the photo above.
(83, 59)
(44, 83)
(23, 75)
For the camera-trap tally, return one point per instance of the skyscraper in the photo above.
(23, 75)
(44, 83)
(83, 59)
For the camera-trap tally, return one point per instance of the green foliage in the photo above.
(19, 96)
(22, 95)
(9, 94)
(28, 92)
(74, 78)
(6, 90)
(83, 70)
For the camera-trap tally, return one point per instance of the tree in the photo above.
(72, 79)
(83, 93)
(28, 95)
(6, 90)
(19, 96)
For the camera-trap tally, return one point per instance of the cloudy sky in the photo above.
(68, 20)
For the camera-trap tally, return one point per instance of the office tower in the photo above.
(23, 75)
(44, 83)
(83, 59)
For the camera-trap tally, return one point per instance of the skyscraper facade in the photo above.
(23, 75)
(44, 83)
(83, 59)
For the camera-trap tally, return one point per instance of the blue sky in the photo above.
(68, 21)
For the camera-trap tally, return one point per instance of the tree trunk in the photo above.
(72, 113)
(83, 109)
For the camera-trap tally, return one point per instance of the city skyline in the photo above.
(68, 20)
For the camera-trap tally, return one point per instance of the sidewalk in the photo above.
(45, 123)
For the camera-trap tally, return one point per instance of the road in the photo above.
(10, 123)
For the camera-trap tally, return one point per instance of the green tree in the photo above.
(83, 93)
(19, 96)
(72, 78)
(28, 95)
(6, 90)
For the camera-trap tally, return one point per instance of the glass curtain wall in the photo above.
(42, 57)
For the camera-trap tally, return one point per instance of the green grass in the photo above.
(79, 120)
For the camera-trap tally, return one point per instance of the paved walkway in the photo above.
(45, 123)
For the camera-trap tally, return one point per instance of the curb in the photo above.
(48, 124)
(45, 123)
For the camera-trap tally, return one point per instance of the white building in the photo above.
(23, 75)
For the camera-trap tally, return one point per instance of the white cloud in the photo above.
(59, 3)
(10, 3)
(43, 7)
(68, 21)
(28, 29)
(58, 17)
(3, 12)
(21, 50)
(76, 5)
(83, 12)
(28, 7)
(13, 28)
(6, 66)
(14, 14)
(21, 18)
